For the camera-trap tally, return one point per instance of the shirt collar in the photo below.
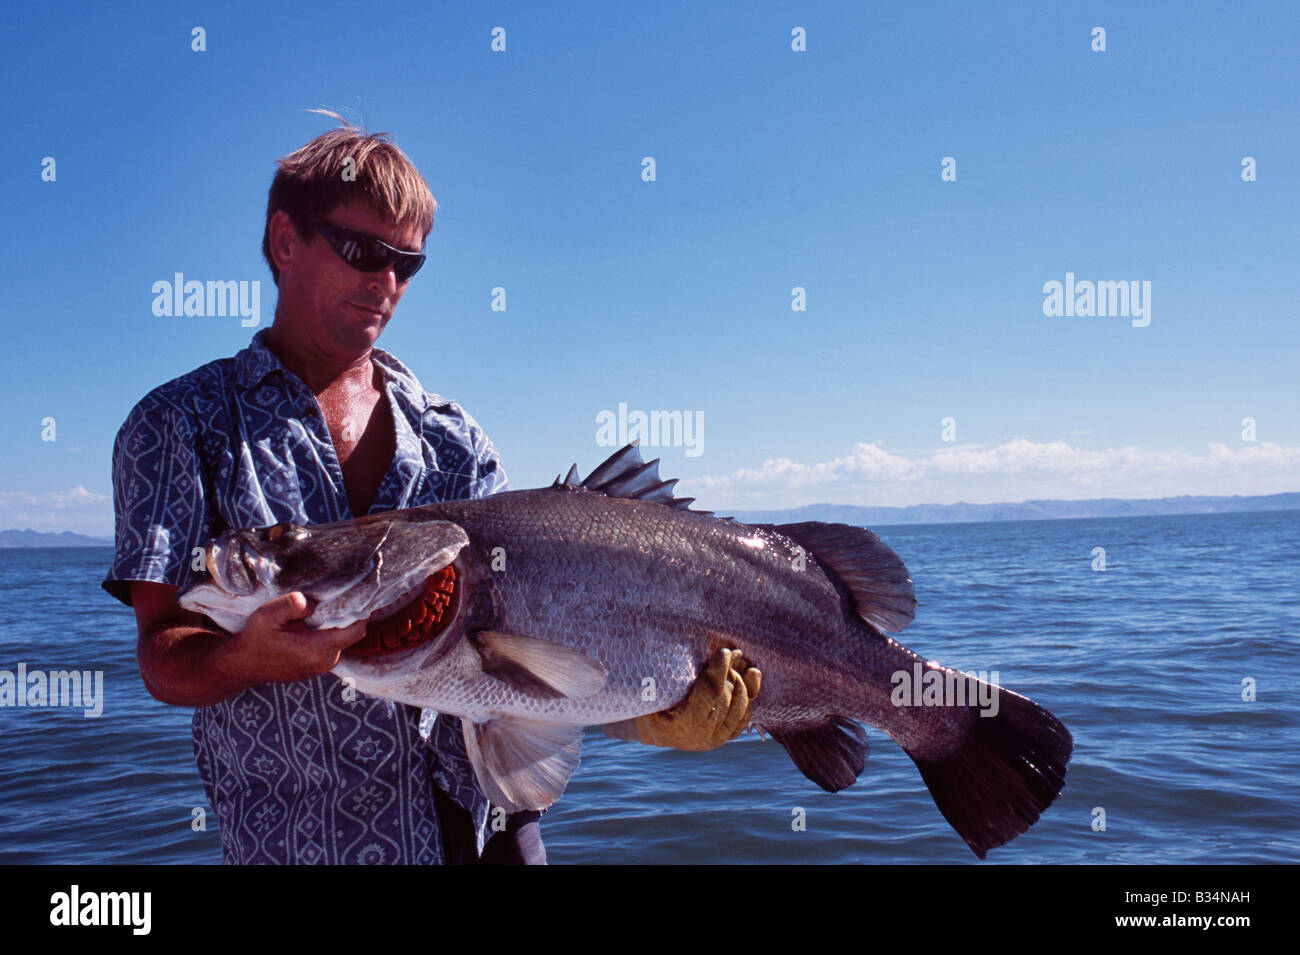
(256, 361)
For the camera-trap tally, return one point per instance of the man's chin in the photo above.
(361, 329)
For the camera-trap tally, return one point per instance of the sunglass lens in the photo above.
(406, 267)
(368, 254)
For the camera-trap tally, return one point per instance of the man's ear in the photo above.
(284, 240)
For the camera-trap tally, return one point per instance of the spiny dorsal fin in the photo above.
(878, 580)
(625, 474)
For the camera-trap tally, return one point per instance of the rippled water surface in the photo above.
(1144, 663)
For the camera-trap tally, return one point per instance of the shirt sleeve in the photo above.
(491, 474)
(161, 507)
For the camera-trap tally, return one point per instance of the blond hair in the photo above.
(310, 183)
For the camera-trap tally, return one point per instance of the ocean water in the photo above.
(1144, 662)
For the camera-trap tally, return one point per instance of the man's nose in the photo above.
(384, 281)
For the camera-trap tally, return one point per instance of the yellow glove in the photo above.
(716, 709)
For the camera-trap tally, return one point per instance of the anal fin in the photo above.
(522, 764)
(831, 754)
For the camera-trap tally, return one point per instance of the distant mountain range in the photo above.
(873, 516)
(1025, 511)
(42, 539)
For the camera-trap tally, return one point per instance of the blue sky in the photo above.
(774, 169)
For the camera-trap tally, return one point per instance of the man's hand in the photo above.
(716, 709)
(274, 648)
(186, 660)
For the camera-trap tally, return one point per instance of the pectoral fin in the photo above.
(539, 667)
(522, 764)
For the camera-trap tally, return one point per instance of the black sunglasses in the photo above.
(368, 254)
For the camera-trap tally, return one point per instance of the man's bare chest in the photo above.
(361, 426)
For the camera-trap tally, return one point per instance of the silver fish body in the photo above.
(650, 592)
(595, 603)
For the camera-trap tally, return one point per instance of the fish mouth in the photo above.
(413, 619)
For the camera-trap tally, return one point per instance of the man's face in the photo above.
(336, 310)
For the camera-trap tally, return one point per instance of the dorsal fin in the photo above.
(878, 580)
(625, 474)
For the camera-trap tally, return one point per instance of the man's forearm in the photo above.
(187, 660)
(187, 665)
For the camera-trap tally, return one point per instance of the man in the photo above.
(311, 423)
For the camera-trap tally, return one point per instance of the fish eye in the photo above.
(290, 532)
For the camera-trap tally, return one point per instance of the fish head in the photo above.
(349, 571)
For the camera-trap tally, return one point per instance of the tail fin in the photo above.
(1009, 769)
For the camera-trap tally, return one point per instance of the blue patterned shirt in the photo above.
(294, 771)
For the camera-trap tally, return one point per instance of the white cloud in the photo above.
(76, 497)
(1017, 470)
(77, 509)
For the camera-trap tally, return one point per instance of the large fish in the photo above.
(531, 614)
